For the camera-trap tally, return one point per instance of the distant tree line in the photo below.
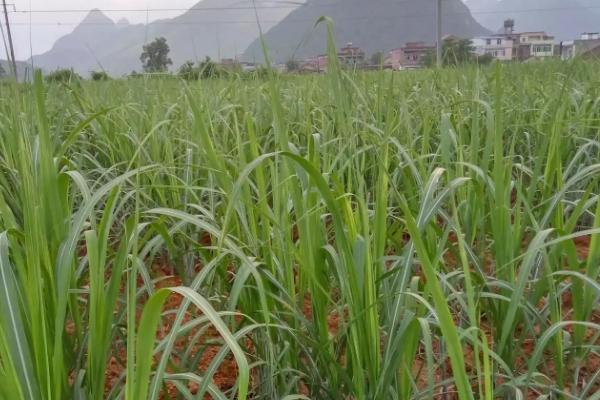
(155, 60)
(203, 70)
(63, 76)
(68, 75)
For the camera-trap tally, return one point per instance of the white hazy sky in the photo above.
(45, 28)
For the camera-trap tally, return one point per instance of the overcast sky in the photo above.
(47, 27)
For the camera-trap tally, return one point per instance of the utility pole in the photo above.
(12, 62)
(439, 34)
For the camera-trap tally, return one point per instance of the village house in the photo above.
(410, 56)
(351, 55)
(248, 66)
(587, 46)
(535, 45)
(590, 36)
(230, 64)
(393, 59)
(314, 64)
(512, 46)
(500, 46)
(567, 50)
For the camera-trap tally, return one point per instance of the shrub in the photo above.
(63, 76)
(99, 76)
(188, 71)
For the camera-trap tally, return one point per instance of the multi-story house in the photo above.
(410, 56)
(500, 46)
(587, 46)
(590, 36)
(535, 45)
(351, 55)
(509, 46)
(315, 64)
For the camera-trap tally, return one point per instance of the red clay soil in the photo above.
(226, 375)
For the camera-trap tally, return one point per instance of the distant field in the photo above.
(413, 235)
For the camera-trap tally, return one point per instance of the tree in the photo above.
(2, 71)
(209, 69)
(63, 76)
(206, 69)
(188, 71)
(485, 59)
(155, 56)
(377, 58)
(458, 52)
(454, 52)
(292, 65)
(99, 76)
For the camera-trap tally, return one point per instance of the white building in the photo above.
(588, 45)
(590, 36)
(536, 45)
(501, 47)
(567, 50)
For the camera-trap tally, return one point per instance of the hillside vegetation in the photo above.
(375, 25)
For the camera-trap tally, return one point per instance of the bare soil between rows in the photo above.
(207, 345)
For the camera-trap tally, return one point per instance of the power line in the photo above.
(288, 5)
(253, 21)
(297, 20)
(203, 9)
